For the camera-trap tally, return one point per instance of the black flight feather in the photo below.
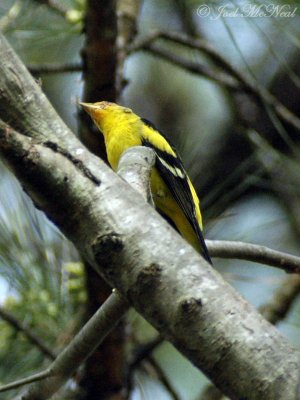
(177, 182)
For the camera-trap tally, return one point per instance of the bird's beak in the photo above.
(87, 106)
(95, 108)
(90, 108)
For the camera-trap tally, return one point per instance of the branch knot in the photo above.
(107, 247)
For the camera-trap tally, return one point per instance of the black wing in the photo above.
(173, 173)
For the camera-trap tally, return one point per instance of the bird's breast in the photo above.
(117, 144)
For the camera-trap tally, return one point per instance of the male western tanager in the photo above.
(173, 193)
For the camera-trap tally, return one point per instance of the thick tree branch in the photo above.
(274, 311)
(135, 168)
(137, 252)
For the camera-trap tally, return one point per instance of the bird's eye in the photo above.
(127, 110)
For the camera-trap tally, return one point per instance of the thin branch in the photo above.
(284, 178)
(79, 349)
(196, 68)
(210, 392)
(25, 381)
(190, 42)
(31, 336)
(55, 5)
(185, 13)
(163, 378)
(53, 68)
(248, 84)
(282, 301)
(9, 18)
(141, 353)
(144, 351)
(254, 252)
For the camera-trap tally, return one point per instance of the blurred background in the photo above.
(242, 158)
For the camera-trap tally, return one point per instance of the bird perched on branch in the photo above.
(173, 193)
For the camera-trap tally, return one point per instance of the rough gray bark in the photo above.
(139, 253)
(135, 167)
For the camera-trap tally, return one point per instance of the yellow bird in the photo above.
(173, 193)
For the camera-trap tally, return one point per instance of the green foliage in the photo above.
(44, 282)
(76, 14)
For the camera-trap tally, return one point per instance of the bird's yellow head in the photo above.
(108, 116)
